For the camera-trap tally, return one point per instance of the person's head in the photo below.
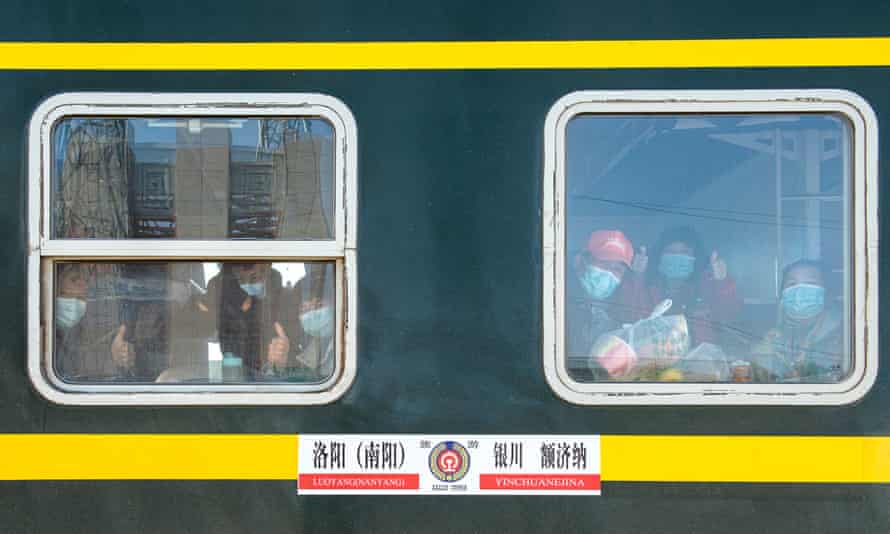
(252, 277)
(803, 291)
(316, 301)
(72, 281)
(603, 264)
(71, 295)
(679, 254)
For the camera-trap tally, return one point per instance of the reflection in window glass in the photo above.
(192, 178)
(191, 322)
(708, 248)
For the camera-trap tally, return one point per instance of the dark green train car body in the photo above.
(449, 254)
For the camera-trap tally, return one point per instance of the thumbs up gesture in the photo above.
(718, 266)
(279, 346)
(122, 353)
(640, 261)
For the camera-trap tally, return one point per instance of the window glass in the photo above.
(194, 322)
(708, 248)
(192, 178)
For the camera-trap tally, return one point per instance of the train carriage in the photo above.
(438, 267)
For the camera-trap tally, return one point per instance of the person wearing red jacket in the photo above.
(697, 283)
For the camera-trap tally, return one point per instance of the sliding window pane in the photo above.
(193, 322)
(193, 178)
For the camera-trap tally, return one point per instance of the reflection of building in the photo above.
(253, 211)
(151, 192)
(303, 189)
(193, 182)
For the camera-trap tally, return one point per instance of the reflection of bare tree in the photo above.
(92, 189)
(275, 133)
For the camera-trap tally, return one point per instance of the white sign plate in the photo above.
(409, 464)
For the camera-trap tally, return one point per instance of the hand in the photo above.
(122, 353)
(718, 266)
(279, 347)
(640, 261)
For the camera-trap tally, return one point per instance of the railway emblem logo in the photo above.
(449, 461)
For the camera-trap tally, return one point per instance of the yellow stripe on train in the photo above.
(148, 456)
(274, 457)
(746, 459)
(444, 55)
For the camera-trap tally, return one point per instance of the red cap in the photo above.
(610, 245)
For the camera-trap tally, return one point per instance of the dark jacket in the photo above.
(245, 324)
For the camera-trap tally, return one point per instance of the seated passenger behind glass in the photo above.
(71, 344)
(141, 348)
(83, 350)
(697, 284)
(243, 306)
(599, 271)
(807, 343)
(317, 350)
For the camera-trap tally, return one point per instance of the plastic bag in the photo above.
(642, 350)
(705, 363)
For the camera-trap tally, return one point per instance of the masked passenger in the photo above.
(590, 299)
(696, 282)
(807, 343)
(84, 350)
(243, 306)
(317, 321)
(70, 307)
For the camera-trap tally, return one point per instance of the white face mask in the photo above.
(318, 322)
(69, 311)
(256, 289)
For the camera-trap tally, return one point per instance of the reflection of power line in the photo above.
(734, 212)
(702, 216)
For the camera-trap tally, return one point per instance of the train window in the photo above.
(195, 322)
(192, 249)
(711, 247)
(192, 178)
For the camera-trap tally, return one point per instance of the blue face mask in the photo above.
(318, 322)
(676, 266)
(803, 301)
(69, 311)
(257, 289)
(599, 283)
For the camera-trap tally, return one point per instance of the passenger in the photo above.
(590, 304)
(70, 307)
(807, 343)
(317, 320)
(141, 346)
(243, 305)
(82, 351)
(698, 285)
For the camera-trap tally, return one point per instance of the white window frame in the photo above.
(44, 251)
(863, 254)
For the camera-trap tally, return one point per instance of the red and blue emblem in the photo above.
(449, 461)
